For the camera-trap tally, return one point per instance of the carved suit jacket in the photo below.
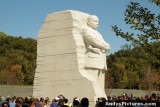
(94, 41)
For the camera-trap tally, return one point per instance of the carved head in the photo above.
(93, 22)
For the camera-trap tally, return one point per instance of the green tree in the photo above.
(146, 26)
(130, 68)
(142, 20)
(157, 2)
(17, 59)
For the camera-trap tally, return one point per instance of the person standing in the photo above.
(13, 102)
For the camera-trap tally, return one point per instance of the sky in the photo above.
(25, 17)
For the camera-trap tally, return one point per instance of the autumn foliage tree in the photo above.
(132, 69)
(17, 60)
(137, 66)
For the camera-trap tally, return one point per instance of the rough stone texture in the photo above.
(60, 58)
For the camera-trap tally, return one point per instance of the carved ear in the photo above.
(87, 24)
(87, 21)
(88, 18)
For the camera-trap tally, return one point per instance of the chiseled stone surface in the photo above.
(61, 58)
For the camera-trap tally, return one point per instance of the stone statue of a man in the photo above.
(95, 57)
(70, 38)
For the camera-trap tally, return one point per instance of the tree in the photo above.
(17, 59)
(144, 22)
(157, 2)
(145, 50)
(147, 27)
(16, 70)
(132, 69)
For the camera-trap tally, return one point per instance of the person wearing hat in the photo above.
(55, 103)
(76, 102)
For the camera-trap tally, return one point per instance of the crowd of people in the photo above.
(61, 101)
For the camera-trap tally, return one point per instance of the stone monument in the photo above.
(71, 57)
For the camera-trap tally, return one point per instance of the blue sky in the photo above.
(25, 17)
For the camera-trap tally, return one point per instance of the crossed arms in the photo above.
(95, 44)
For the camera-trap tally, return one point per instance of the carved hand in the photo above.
(95, 50)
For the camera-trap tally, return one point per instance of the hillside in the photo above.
(17, 60)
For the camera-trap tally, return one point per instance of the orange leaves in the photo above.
(16, 68)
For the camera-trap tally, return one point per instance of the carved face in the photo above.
(93, 22)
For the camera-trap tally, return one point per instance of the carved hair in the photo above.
(91, 17)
